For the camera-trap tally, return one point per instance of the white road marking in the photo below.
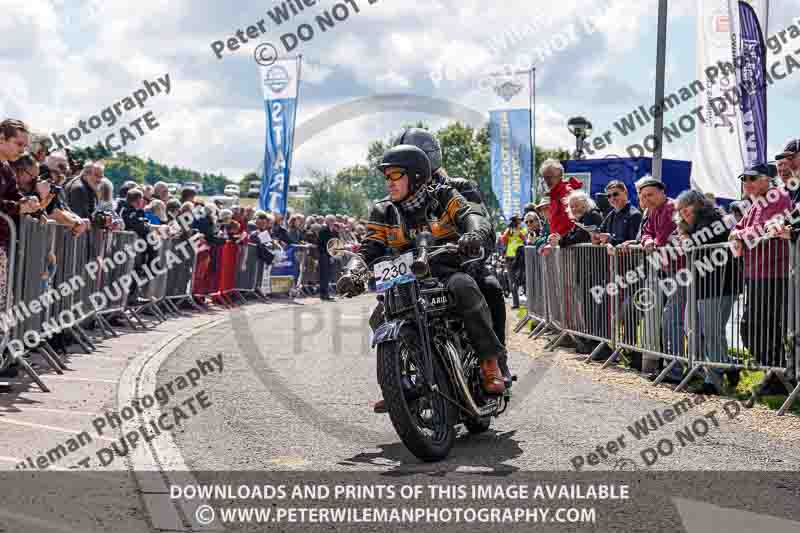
(70, 378)
(49, 428)
(162, 454)
(56, 411)
(93, 356)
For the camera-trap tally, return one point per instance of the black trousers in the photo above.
(481, 319)
(493, 293)
(763, 326)
(473, 309)
(324, 274)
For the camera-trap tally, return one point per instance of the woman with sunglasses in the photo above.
(766, 271)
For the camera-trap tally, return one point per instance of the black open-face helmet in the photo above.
(413, 161)
(425, 141)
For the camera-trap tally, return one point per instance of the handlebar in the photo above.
(420, 267)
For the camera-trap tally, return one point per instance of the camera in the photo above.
(102, 220)
(46, 176)
(75, 164)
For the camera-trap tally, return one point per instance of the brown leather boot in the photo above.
(380, 407)
(492, 376)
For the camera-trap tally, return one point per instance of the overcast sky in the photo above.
(63, 60)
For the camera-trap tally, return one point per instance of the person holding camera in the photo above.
(30, 184)
(513, 238)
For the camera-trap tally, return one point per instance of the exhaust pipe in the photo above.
(454, 368)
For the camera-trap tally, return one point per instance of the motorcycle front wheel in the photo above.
(424, 421)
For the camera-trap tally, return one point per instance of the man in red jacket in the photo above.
(553, 174)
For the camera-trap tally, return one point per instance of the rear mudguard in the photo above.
(387, 332)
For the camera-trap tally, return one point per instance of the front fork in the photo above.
(421, 318)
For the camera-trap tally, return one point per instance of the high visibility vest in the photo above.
(515, 240)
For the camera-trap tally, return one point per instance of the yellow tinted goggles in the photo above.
(394, 173)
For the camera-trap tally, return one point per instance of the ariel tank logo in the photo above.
(439, 300)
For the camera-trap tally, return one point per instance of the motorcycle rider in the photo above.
(429, 144)
(416, 204)
(487, 282)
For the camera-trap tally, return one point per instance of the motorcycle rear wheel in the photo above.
(426, 425)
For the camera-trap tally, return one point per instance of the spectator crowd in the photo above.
(53, 186)
(750, 269)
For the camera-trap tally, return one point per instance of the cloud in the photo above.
(66, 60)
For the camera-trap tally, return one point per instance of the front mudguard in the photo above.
(387, 332)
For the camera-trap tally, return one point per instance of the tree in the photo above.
(152, 174)
(249, 178)
(328, 195)
(375, 184)
(121, 167)
(465, 154)
(543, 154)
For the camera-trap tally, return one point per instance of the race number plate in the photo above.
(391, 273)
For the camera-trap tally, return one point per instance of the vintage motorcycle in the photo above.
(427, 370)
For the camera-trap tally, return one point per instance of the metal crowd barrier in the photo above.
(155, 290)
(302, 257)
(744, 313)
(311, 270)
(179, 280)
(249, 272)
(11, 258)
(25, 265)
(111, 273)
(701, 309)
(587, 314)
(536, 306)
(557, 307)
(652, 303)
(58, 281)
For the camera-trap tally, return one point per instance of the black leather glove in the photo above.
(352, 282)
(470, 244)
(348, 286)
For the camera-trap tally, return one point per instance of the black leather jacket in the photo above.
(471, 193)
(447, 215)
(468, 189)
